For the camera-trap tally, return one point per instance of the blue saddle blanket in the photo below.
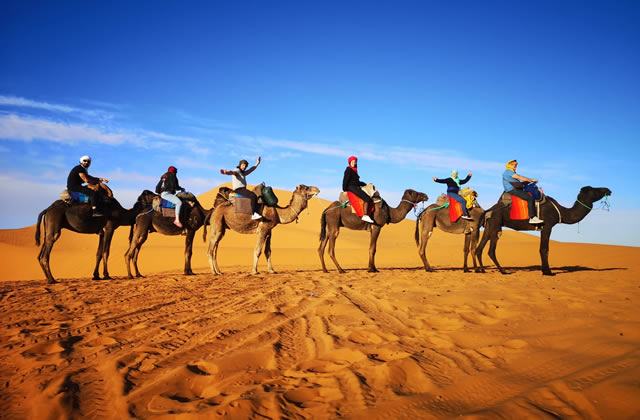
(78, 197)
(167, 204)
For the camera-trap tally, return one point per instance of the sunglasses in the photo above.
(86, 161)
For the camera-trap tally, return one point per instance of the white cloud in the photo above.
(18, 128)
(28, 103)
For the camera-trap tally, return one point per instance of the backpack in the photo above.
(268, 197)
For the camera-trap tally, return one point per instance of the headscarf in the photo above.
(85, 157)
(511, 165)
(456, 179)
(172, 169)
(352, 158)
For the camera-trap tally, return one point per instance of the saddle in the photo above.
(168, 209)
(455, 209)
(349, 199)
(519, 209)
(265, 195)
(74, 197)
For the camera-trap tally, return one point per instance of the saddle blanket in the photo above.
(455, 210)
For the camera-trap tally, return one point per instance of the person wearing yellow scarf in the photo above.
(509, 178)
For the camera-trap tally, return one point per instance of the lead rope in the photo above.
(606, 206)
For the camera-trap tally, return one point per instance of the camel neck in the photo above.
(576, 213)
(291, 212)
(396, 215)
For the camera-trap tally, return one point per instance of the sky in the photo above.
(414, 89)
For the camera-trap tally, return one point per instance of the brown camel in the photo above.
(335, 216)
(78, 218)
(224, 217)
(192, 218)
(433, 216)
(550, 211)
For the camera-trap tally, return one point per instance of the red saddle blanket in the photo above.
(519, 208)
(358, 204)
(455, 210)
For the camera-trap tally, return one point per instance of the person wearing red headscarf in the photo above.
(351, 183)
(167, 187)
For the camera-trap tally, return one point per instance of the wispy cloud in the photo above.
(25, 129)
(16, 101)
(417, 158)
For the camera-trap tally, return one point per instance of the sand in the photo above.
(401, 343)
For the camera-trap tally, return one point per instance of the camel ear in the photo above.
(586, 189)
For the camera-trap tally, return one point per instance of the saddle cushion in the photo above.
(167, 204)
(455, 210)
(519, 209)
(79, 197)
(241, 204)
(357, 204)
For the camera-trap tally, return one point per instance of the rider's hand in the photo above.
(469, 174)
(105, 180)
(434, 178)
(259, 159)
(222, 171)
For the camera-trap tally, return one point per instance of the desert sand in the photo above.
(301, 343)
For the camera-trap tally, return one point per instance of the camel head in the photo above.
(414, 196)
(592, 194)
(146, 198)
(307, 192)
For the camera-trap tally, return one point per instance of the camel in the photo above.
(192, 217)
(78, 218)
(335, 216)
(550, 211)
(224, 217)
(433, 216)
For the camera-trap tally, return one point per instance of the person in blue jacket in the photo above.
(453, 187)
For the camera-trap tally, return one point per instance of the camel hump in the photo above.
(442, 200)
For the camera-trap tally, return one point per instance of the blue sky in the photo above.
(413, 89)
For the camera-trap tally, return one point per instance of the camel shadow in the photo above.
(563, 269)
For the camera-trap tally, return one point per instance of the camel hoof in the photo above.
(52, 281)
(373, 270)
(273, 272)
(190, 273)
(503, 272)
(341, 271)
(96, 278)
(466, 270)
(139, 275)
(429, 270)
(481, 271)
(548, 273)
(325, 271)
(107, 277)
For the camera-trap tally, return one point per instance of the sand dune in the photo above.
(401, 343)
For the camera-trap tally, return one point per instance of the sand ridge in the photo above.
(401, 343)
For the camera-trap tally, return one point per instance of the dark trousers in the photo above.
(93, 195)
(250, 195)
(368, 202)
(525, 196)
(460, 200)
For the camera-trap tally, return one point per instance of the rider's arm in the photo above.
(523, 178)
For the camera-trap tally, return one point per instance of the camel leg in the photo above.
(467, 242)
(545, 235)
(96, 271)
(480, 248)
(375, 232)
(332, 249)
(474, 242)
(50, 238)
(131, 256)
(106, 247)
(267, 253)
(422, 249)
(212, 252)
(492, 250)
(321, 248)
(262, 238)
(188, 251)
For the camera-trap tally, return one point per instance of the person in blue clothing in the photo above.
(453, 187)
(513, 184)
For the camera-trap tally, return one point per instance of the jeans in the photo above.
(173, 199)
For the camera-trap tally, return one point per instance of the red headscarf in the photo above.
(352, 158)
(172, 169)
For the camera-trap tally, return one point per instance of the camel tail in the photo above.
(131, 233)
(40, 219)
(417, 234)
(323, 226)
